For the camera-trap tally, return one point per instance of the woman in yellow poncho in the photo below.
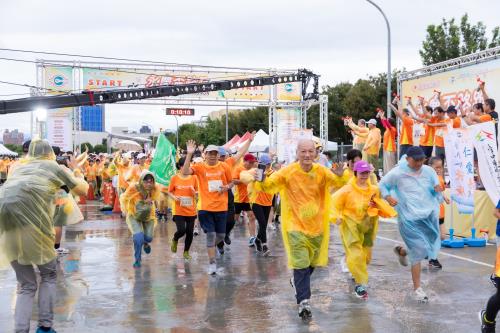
(27, 231)
(304, 188)
(138, 203)
(343, 174)
(356, 207)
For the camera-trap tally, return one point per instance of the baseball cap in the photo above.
(372, 121)
(212, 148)
(362, 166)
(222, 151)
(141, 155)
(249, 158)
(416, 153)
(265, 159)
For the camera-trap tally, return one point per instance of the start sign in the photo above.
(179, 112)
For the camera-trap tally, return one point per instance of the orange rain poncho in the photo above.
(305, 206)
(27, 204)
(359, 223)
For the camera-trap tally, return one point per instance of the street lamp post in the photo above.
(227, 123)
(388, 56)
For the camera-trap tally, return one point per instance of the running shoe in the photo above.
(494, 280)
(212, 269)
(305, 310)
(186, 255)
(258, 245)
(251, 241)
(420, 295)
(434, 263)
(173, 246)
(403, 260)
(40, 330)
(265, 250)
(147, 248)
(137, 264)
(360, 292)
(273, 226)
(61, 251)
(196, 231)
(227, 240)
(486, 326)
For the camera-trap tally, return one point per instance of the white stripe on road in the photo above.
(444, 253)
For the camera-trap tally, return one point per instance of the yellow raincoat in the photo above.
(141, 215)
(305, 206)
(359, 224)
(27, 204)
(347, 175)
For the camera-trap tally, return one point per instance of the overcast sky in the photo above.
(342, 40)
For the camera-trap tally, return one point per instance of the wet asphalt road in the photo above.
(99, 291)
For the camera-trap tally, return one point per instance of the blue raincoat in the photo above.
(418, 208)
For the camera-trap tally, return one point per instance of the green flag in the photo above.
(163, 164)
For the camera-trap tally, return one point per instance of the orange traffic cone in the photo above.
(111, 195)
(116, 206)
(105, 194)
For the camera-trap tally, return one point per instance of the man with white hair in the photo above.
(304, 188)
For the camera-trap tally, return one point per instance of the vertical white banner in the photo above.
(288, 122)
(460, 160)
(59, 132)
(484, 138)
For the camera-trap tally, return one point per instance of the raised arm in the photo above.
(244, 148)
(483, 91)
(191, 147)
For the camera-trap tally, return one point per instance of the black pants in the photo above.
(493, 305)
(302, 281)
(427, 151)
(185, 226)
(403, 149)
(262, 216)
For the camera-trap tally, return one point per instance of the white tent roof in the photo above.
(259, 144)
(6, 152)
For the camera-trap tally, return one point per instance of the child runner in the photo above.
(355, 207)
(437, 164)
(183, 190)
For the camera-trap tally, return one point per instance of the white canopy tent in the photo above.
(6, 152)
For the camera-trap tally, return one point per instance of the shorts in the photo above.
(427, 150)
(212, 221)
(241, 207)
(403, 149)
(441, 220)
(185, 219)
(440, 153)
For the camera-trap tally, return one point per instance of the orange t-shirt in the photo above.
(210, 179)
(260, 197)
(231, 162)
(429, 133)
(406, 131)
(439, 136)
(485, 118)
(185, 187)
(390, 139)
(91, 172)
(240, 190)
(441, 206)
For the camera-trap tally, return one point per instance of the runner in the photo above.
(488, 316)
(183, 191)
(261, 203)
(355, 207)
(27, 234)
(417, 195)
(241, 199)
(214, 179)
(138, 205)
(304, 187)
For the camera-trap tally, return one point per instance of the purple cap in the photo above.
(362, 166)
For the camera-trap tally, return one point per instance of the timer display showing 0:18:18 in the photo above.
(179, 112)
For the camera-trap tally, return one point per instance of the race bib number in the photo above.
(186, 201)
(214, 185)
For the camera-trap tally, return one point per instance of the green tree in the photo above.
(86, 145)
(449, 40)
(15, 148)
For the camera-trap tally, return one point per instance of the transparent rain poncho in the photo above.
(305, 212)
(140, 212)
(27, 202)
(418, 208)
(359, 224)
